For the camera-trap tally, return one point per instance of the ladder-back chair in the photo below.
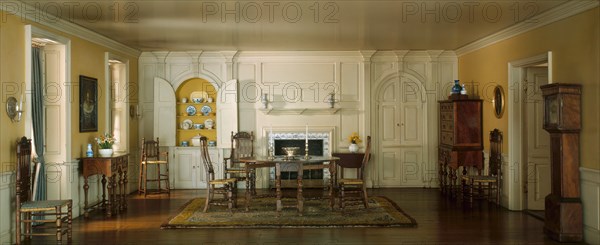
(242, 145)
(226, 187)
(492, 180)
(26, 209)
(151, 156)
(354, 186)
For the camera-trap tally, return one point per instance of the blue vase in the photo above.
(456, 88)
(89, 152)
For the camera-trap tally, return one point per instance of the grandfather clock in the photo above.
(562, 119)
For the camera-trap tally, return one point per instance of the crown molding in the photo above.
(51, 21)
(560, 12)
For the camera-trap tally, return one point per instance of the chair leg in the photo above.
(229, 189)
(342, 194)
(18, 227)
(140, 178)
(145, 180)
(159, 177)
(365, 197)
(70, 220)
(167, 178)
(208, 197)
(58, 224)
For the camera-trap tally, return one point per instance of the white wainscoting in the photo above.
(590, 197)
(7, 214)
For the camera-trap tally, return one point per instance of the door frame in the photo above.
(517, 161)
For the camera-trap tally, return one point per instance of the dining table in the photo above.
(290, 163)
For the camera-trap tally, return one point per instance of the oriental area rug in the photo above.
(382, 212)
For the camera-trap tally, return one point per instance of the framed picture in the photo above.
(88, 104)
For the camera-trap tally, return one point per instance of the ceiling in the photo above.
(315, 25)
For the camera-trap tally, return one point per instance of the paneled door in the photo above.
(400, 133)
(55, 131)
(538, 140)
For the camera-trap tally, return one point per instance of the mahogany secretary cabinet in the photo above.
(460, 140)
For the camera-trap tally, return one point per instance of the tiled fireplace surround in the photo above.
(319, 143)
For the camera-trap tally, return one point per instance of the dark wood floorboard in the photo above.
(440, 221)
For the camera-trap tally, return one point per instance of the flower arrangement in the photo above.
(105, 141)
(354, 138)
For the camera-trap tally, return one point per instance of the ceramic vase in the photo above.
(353, 148)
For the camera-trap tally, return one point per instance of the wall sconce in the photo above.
(264, 99)
(134, 111)
(14, 110)
(331, 99)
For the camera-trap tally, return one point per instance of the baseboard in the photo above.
(590, 198)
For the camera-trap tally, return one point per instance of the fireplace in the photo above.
(318, 145)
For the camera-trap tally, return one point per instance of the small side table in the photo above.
(115, 168)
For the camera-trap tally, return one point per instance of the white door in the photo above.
(400, 125)
(119, 106)
(164, 112)
(538, 140)
(185, 168)
(55, 135)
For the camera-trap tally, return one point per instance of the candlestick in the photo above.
(271, 148)
(306, 143)
(21, 103)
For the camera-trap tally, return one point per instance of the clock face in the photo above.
(552, 110)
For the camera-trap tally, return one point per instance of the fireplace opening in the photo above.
(318, 145)
(315, 148)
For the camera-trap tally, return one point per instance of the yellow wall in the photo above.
(574, 44)
(12, 77)
(86, 59)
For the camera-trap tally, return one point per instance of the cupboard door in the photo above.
(185, 168)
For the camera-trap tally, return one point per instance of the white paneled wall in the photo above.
(7, 210)
(295, 81)
(590, 198)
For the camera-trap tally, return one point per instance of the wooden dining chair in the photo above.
(227, 187)
(151, 156)
(27, 210)
(489, 185)
(353, 186)
(242, 145)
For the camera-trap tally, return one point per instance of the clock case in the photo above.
(562, 119)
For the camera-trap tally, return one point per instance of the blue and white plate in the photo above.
(205, 110)
(191, 110)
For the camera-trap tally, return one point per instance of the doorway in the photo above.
(54, 56)
(528, 143)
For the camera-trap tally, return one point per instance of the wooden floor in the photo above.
(440, 221)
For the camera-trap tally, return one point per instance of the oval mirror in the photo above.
(498, 101)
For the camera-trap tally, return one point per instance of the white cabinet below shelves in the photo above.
(187, 169)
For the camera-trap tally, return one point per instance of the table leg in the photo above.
(103, 191)
(121, 195)
(86, 187)
(278, 188)
(110, 190)
(248, 189)
(332, 176)
(299, 196)
(125, 187)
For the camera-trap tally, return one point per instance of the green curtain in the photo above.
(37, 114)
